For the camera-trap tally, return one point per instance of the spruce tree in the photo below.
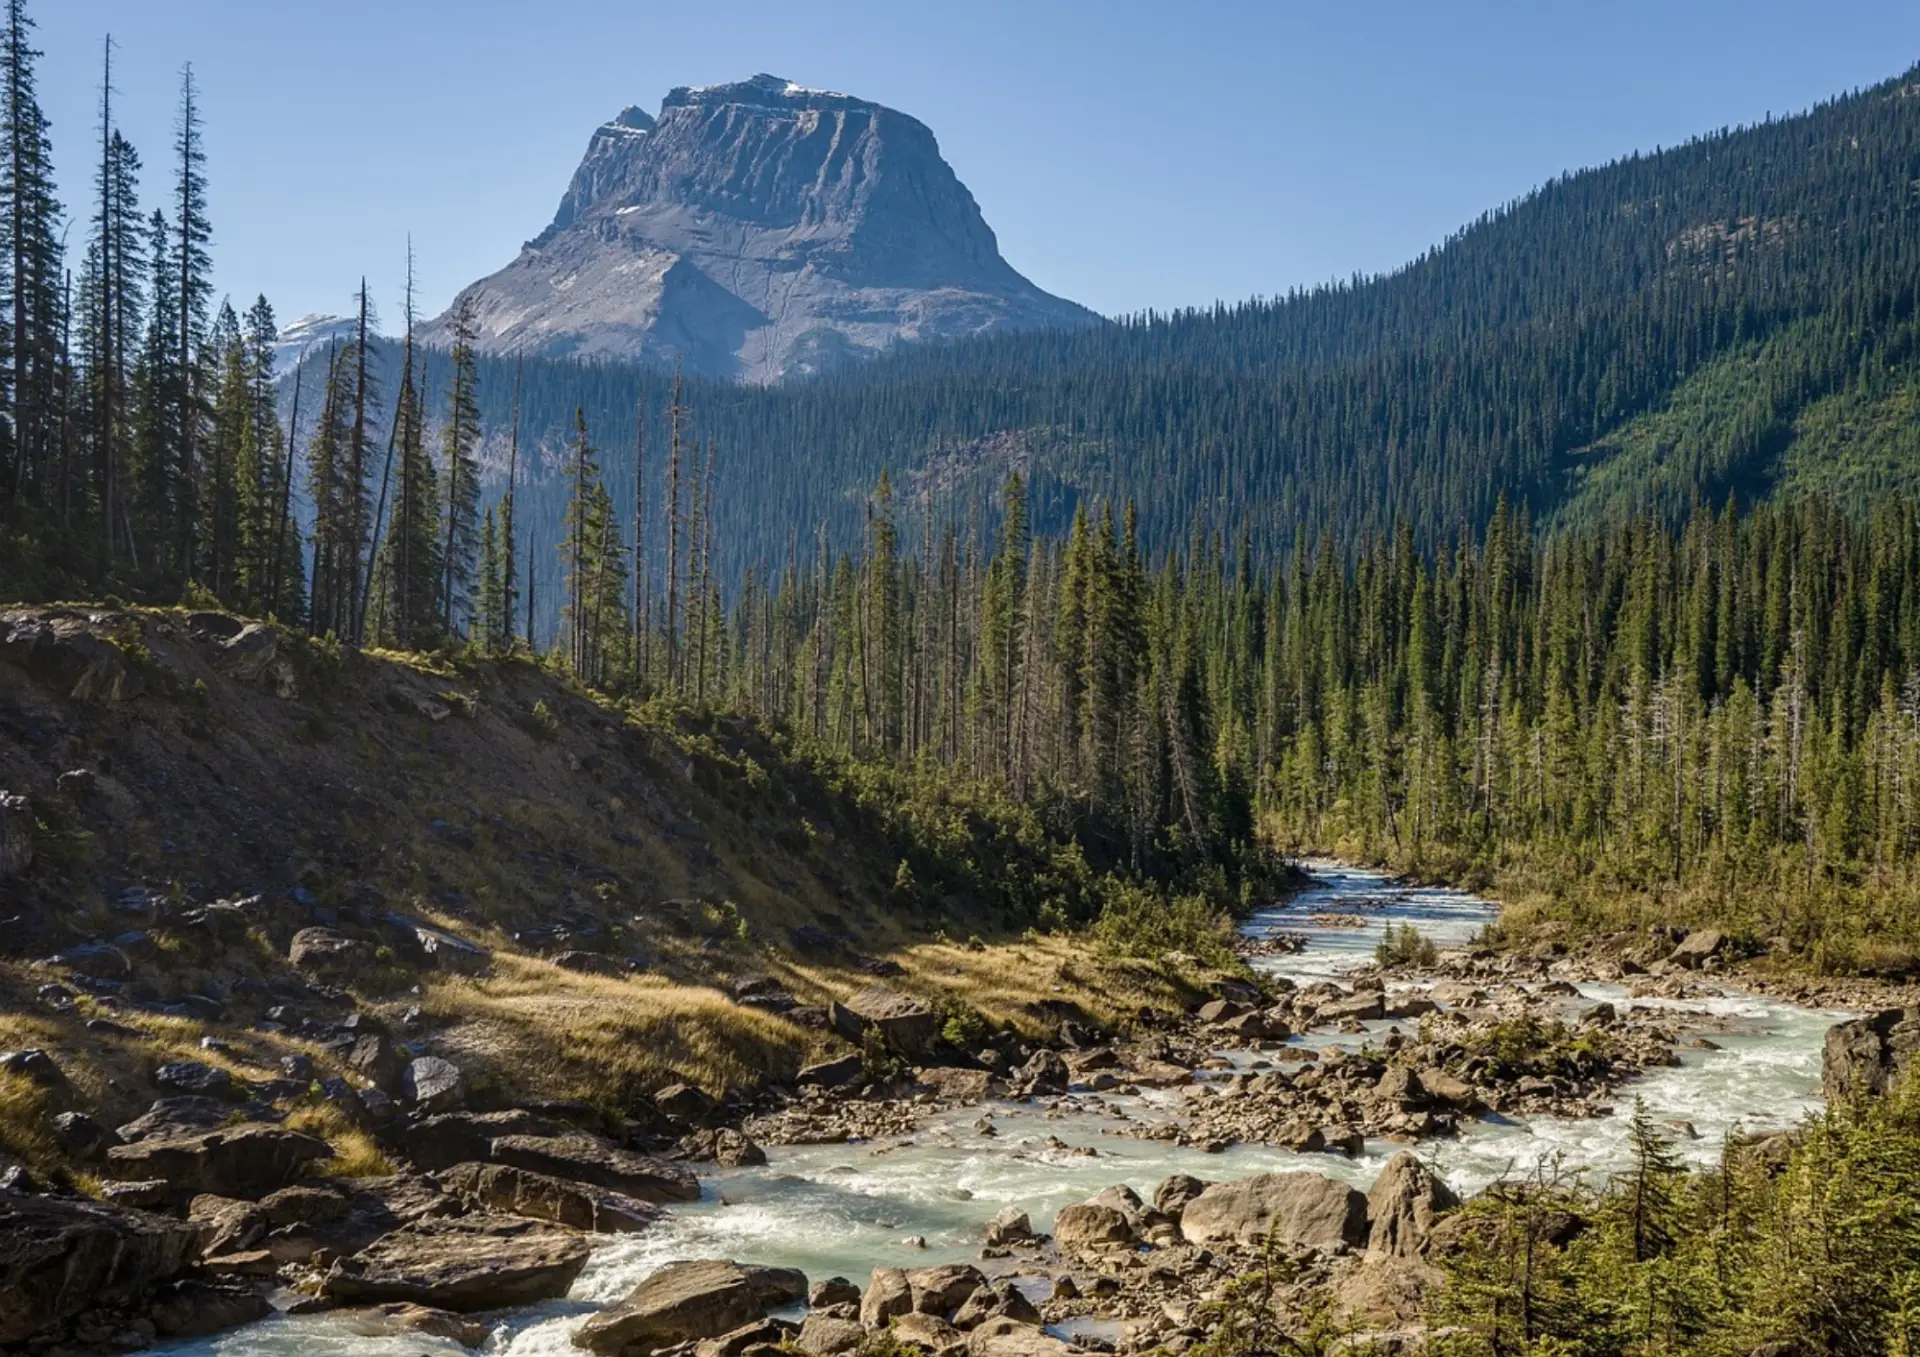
(460, 438)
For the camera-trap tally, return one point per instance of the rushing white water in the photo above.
(843, 1209)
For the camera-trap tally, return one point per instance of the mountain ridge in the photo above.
(756, 230)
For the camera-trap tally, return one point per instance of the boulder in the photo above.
(194, 1079)
(928, 1333)
(431, 1085)
(1044, 1072)
(195, 1309)
(848, 1069)
(1869, 1055)
(65, 654)
(942, 1290)
(519, 1192)
(683, 1103)
(1010, 1225)
(81, 1136)
(61, 1256)
(401, 1318)
(761, 1338)
(690, 1300)
(331, 955)
(1002, 1299)
(1386, 1289)
(1360, 1006)
(1008, 1337)
(170, 1118)
(252, 655)
(888, 1293)
(832, 1291)
(95, 960)
(1219, 1010)
(249, 1160)
(1405, 1200)
(586, 1159)
(1400, 1086)
(374, 1059)
(1090, 1225)
(462, 1263)
(36, 1067)
(904, 1024)
(227, 1225)
(454, 955)
(827, 1336)
(1175, 1191)
(440, 1142)
(1446, 1088)
(1698, 947)
(16, 834)
(1304, 1209)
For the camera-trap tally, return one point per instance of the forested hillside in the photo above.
(1727, 316)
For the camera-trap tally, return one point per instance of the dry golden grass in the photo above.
(354, 1153)
(545, 1031)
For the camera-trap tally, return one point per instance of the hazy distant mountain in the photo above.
(756, 230)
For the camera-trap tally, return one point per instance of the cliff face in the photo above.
(755, 230)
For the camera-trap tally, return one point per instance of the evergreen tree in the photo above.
(460, 438)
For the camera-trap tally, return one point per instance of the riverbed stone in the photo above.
(1403, 1205)
(539, 1196)
(1297, 1208)
(60, 1257)
(587, 1159)
(682, 1301)
(248, 1160)
(904, 1024)
(462, 1263)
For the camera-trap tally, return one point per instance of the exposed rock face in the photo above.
(467, 1263)
(1405, 1200)
(754, 230)
(1870, 1054)
(903, 1023)
(249, 1160)
(689, 1300)
(517, 1192)
(587, 1160)
(16, 834)
(60, 1257)
(1299, 1208)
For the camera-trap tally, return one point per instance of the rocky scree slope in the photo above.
(757, 230)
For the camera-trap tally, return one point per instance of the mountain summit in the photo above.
(756, 230)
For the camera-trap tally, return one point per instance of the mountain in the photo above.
(758, 230)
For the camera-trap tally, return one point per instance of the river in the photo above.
(843, 1209)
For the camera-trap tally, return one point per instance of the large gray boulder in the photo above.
(60, 1257)
(1303, 1209)
(904, 1024)
(463, 1263)
(1405, 1201)
(537, 1196)
(585, 1159)
(329, 954)
(1869, 1055)
(249, 1160)
(684, 1301)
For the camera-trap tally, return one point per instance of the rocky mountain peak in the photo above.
(755, 229)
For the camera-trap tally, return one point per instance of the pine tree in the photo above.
(460, 438)
(28, 217)
(193, 293)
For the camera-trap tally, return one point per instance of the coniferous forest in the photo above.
(1703, 698)
(1578, 560)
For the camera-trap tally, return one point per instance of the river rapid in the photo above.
(840, 1210)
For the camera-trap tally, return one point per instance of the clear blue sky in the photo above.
(1128, 154)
